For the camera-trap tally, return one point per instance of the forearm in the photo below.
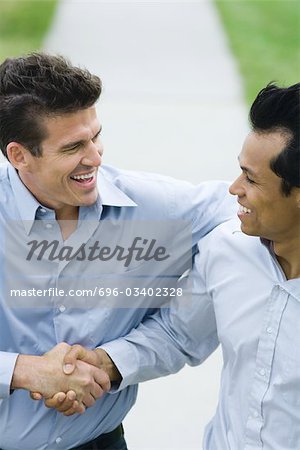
(184, 333)
(141, 356)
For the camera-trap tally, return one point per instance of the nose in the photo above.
(92, 155)
(237, 187)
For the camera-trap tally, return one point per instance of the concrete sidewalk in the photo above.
(171, 104)
(172, 94)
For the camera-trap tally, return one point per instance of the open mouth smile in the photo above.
(243, 211)
(85, 180)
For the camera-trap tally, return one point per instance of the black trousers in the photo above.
(114, 440)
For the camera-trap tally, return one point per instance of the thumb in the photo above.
(68, 368)
(69, 362)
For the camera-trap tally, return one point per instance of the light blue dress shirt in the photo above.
(242, 300)
(34, 325)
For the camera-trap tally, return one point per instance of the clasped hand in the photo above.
(77, 384)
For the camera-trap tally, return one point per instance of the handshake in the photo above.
(68, 378)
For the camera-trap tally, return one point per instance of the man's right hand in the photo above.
(97, 357)
(44, 374)
(66, 403)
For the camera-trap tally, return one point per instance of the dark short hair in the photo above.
(278, 109)
(36, 86)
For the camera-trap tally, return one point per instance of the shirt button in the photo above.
(42, 210)
(49, 226)
(262, 372)
(269, 330)
(255, 414)
(62, 308)
(58, 440)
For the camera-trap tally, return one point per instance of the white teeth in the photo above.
(245, 210)
(83, 177)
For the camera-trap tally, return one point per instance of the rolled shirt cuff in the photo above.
(124, 357)
(7, 366)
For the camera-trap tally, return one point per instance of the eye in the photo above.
(96, 136)
(249, 180)
(72, 150)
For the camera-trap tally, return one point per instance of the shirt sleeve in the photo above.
(7, 365)
(206, 206)
(162, 344)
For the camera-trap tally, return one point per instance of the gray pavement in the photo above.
(172, 104)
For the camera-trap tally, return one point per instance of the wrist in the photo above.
(107, 364)
(25, 372)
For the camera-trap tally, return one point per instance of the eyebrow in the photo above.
(75, 143)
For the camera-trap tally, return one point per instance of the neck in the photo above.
(67, 219)
(287, 254)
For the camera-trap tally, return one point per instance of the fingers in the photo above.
(97, 391)
(86, 384)
(76, 352)
(88, 400)
(56, 401)
(65, 403)
(102, 379)
(77, 408)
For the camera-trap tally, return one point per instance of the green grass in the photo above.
(265, 38)
(23, 24)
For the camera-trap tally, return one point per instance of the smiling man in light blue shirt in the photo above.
(70, 227)
(243, 293)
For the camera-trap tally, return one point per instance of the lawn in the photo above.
(23, 24)
(265, 38)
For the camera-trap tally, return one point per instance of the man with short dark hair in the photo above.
(245, 295)
(79, 245)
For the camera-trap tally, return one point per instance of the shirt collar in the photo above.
(292, 287)
(111, 195)
(27, 204)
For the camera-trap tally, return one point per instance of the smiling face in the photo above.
(65, 176)
(264, 210)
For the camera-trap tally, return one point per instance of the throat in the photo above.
(67, 220)
(291, 271)
(288, 258)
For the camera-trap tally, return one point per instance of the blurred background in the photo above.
(178, 79)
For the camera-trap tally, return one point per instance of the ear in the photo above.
(18, 155)
(298, 198)
(296, 192)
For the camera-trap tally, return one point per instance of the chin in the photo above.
(249, 231)
(90, 202)
(89, 198)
